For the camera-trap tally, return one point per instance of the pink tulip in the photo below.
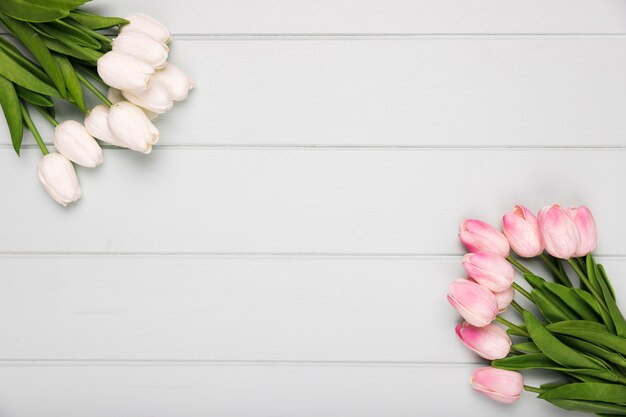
(586, 226)
(521, 228)
(558, 231)
(504, 298)
(477, 236)
(490, 270)
(475, 303)
(491, 342)
(498, 384)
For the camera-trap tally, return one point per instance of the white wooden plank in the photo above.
(380, 16)
(294, 201)
(240, 391)
(197, 308)
(471, 91)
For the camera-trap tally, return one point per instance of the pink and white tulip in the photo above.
(558, 231)
(586, 226)
(498, 384)
(477, 236)
(521, 228)
(475, 303)
(491, 341)
(490, 270)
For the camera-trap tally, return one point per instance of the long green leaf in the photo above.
(34, 98)
(37, 47)
(616, 315)
(13, 71)
(12, 113)
(590, 407)
(92, 21)
(73, 50)
(541, 361)
(549, 310)
(26, 63)
(594, 349)
(71, 81)
(60, 30)
(570, 297)
(591, 332)
(30, 11)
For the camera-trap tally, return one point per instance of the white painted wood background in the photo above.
(286, 249)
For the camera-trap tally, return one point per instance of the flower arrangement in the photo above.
(571, 327)
(67, 49)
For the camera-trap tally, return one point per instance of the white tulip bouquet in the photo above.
(56, 53)
(571, 324)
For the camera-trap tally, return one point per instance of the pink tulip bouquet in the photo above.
(569, 324)
(60, 52)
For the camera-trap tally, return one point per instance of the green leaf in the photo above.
(92, 21)
(590, 407)
(594, 349)
(603, 274)
(26, 63)
(591, 332)
(31, 11)
(11, 108)
(34, 98)
(553, 347)
(527, 347)
(73, 50)
(570, 297)
(60, 30)
(11, 70)
(616, 315)
(37, 47)
(549, 310)
(71, 81)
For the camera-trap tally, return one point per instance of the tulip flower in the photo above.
(115, 96)
(477, 235)
(500, 385)
(475, 303)
(97, 126)
(58, 177)
(142, 46)
(124, 72)
(148, 25)
(558, 231)
(132, 127)
(155, 99)
(73, 141)
(176, 82)
(490, 270)
(504, 298)
(521, 228)
(491, 341)
(586, 226)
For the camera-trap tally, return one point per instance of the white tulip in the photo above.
(97, 126)
(58, 176)
(176, 82)
(155, 99)
(73, 141)
(142, 46)
(124, 72)
(148, 25)
(115, 96)
(131, 125)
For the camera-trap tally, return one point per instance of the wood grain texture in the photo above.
(300, 201)
(239, 391)
(380, 16)
(269, 309)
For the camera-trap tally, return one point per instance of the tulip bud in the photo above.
(124, 72)
(586, 226)
(558, 231)
(58, 177)
(477, 235)
(504, 298)
(73, 141)
(97, 126)
(491, 342)
(489, 270)
(498, 384)
(176, 82)
(155, 99)
(475, 303)
(115, 96)
(148, 25)
(142, 46)
(521, 228)
(132, 127)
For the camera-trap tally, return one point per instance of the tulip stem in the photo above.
(510, 325)
(533, 389)
(558, 274)
(47, 116)
(585, 280)
(93, 89)
(517, 307)
(31, 126)
(522, 291)
(518, 265)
